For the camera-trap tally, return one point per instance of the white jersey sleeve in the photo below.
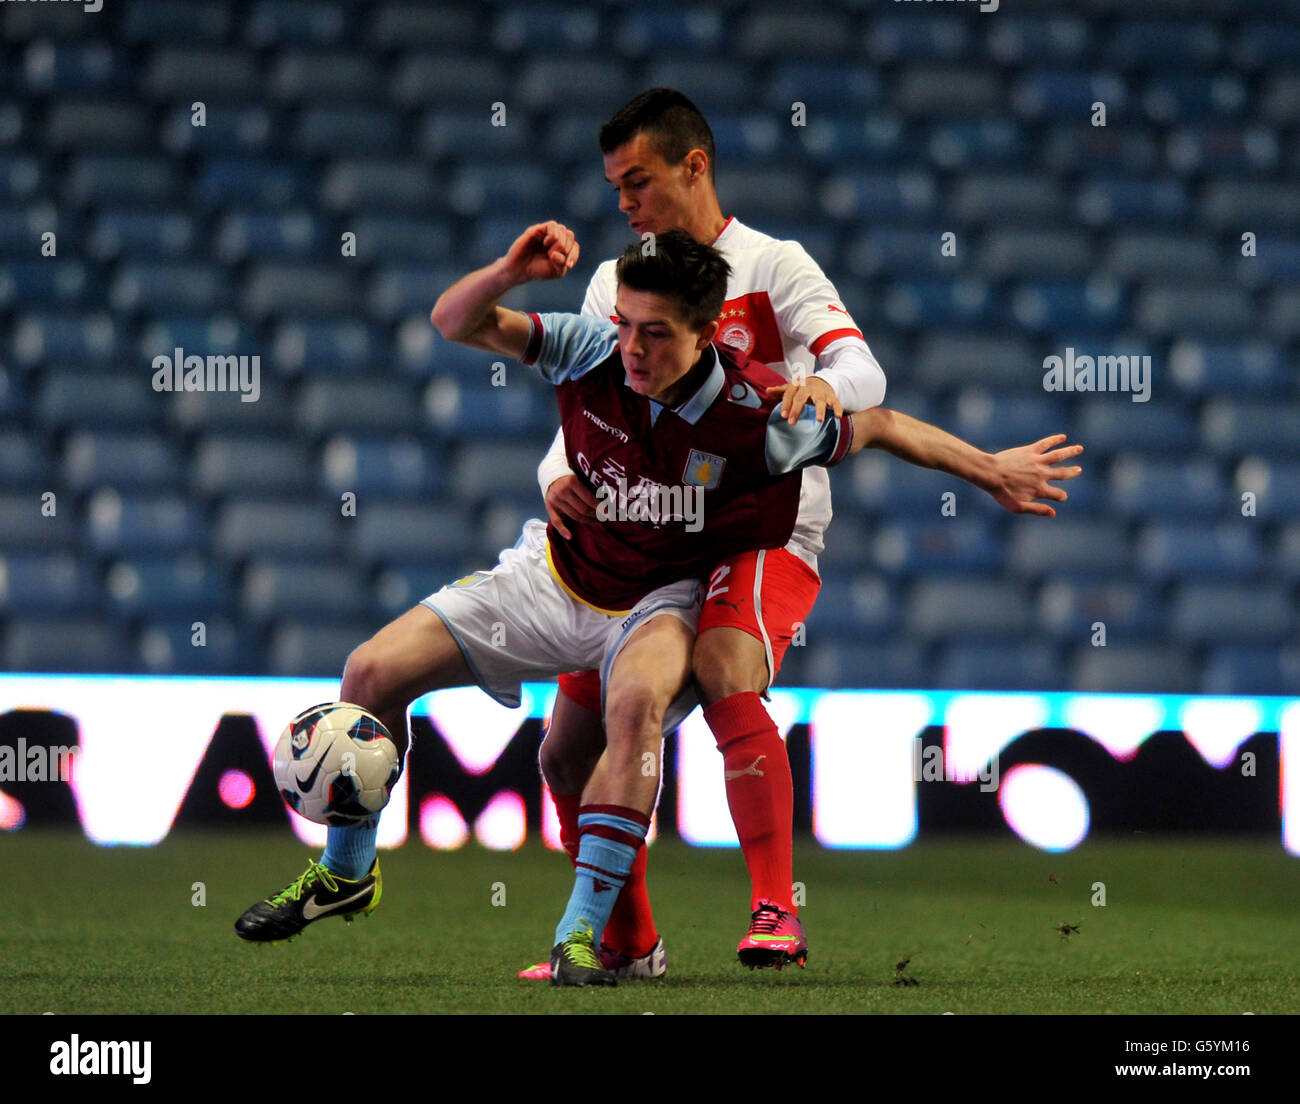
(810, 313)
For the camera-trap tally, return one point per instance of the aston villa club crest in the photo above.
(703, 469)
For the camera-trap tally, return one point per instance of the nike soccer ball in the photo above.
(336, 764)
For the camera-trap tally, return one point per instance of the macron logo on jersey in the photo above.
(606, 426)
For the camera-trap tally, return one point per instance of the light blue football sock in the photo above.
(604, 862)
(350, 851)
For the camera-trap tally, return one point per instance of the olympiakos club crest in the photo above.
(736, 335)
(703, 469)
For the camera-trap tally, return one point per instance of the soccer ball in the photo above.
(336, 764)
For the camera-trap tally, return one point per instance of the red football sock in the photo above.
(566, 808)
(631, 927)
(760, 793)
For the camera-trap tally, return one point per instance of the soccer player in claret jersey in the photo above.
(651, 399)
(780, 310)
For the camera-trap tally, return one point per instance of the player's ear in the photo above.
(707, 334)
(697, 165)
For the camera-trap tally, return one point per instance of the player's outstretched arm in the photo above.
(1016, 478)
(467, 312)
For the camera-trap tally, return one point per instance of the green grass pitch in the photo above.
(1189, 926)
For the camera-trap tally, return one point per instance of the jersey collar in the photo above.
(692, 409)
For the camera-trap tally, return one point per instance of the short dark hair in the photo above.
(675, 265)
(673, 124)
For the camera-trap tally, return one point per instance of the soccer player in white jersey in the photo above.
(780, 310)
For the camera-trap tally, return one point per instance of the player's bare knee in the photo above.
(719, 672)
(364, 680)
(634, 714)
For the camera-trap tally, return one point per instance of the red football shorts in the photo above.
(767, 594)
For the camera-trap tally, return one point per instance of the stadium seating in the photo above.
(227, 234)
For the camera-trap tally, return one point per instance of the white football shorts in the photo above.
(518, 623)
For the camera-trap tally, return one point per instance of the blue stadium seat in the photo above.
(87, 339)
(39, 582)
(280, 22)
(900, 252)
(1047, 252)
(999, 665)
(402, 532)
(75, 67)
(484, 471)
(160, 588)
(848, 540)
(299, 528)
(1264, 45)
(1277, 261)
(1234, 427)
(1223, 149)
(720, 82)
(216, 335)
(311, 76)
(952, 360)
(287, 287)
(213, 411)
(1279, 97)
(170, 287)
(1168, 99)
(883, 485)
(248, 464)
(1009, 197)
(280, 235)
(864, 607)
(1220, 613)
(1162, 44)
(384, 468)
(169, 646)
(321, 131)
(398, 238)
(320, 346)
(1128, 150)
(763, 192)
(1142, 487)
(387, 187)
(126, 460)
(472, 82)
(947, 91)
(26, 523)
(835, 139)
(884, 196)
(783, 32)
(1275, 485)
(546, 83)
(21, 228)
(940, 608)
(13, 400)
(272, 591)
(449, 132)
(24, 460)
(1133, 669)
(1138, 254)
(1061, 41)
(1176, 308)
(408, 289)
(203, 72)
(1081, 550)
(93, 124)
(168, 21)
(651, 33)
(314, 649)
(1059, 306)
(1107, 200)
(545, 28)
(1069, 608)
(894, 38)
(893, 666)
(65, 644)
(823, 86)
(947, 546)
(1228, 205)
(942, 304)
(1236, 368)
(1251, 669)
(361, 406)
(1158, 428)
(70, 396)
(1227, 550)
(415, 24)
(1284, 314)
(264, 183)
(400, 586)
(1050, 94)
(747, 136)
(49, 281)
(228, 129)
(145, 234)
(119, 524)
(527, 191)
(976, 144)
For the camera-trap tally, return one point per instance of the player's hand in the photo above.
(569, 497)
(811, 389)
(544, 251)
(1026, 473)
